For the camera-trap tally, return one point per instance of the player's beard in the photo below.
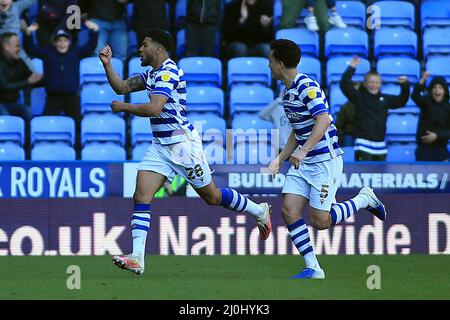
(146, 61)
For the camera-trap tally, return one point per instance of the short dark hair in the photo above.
(5, 37)
(371, 73)
(162, 37)
(286, 51)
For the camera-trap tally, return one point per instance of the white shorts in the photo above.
(183, 158)
(317, 182)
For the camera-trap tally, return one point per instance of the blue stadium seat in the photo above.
(139, 151)
(394, 67)
(98, 98)
(211, 126)
(253, 153)
(251, 128)
(394, 88)
(53, 128)
(56, 151)
(396, 14)
(37, 100)
(103, 127)
(349, 41)
(353, 13)
(250, 98)
(306, 39)
(12, 129)
(205, 99)
(349, 154)
(311, 67)
(215, 153)
(106, 151)
(91, 70)
(135, 68)
(130, 13)
(436, 41)
(181, 43)
(401, 152)
(133, 46)
(395, 41)
(401, 127)
(38, 64)
(249, 70)
(435, 14)
(141, 130)
(202, 70)
(139, 97)
(180, 13)
(337, 65)
(439, 66)
(10, 151)
(337, 99)
(277, 12)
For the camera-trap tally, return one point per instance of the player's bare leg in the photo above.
(147, 184)
(233, 200)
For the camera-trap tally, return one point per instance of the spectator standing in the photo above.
(345, 123)
(371, 109)
(148, 15)
(248, 28)
(10, 13)
(203, 20)
(433, 130)
(321, 14)
(109, 15)
(14, 76)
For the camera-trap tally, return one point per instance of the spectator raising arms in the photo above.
(248, 28)
(14, 76)
(433, 130)
(371, 109)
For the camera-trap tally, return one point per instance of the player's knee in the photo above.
(212, 199)
(318, 223)
(140, 197)
(288, 213)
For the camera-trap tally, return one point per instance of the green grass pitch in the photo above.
(226, 277)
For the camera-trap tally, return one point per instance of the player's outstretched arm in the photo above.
(135, 83)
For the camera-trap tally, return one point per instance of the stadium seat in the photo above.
(181, 43)
(311, 67)
(180, 13)
(139, 151)
(135, 68)
(215, 153)
(52, 128)
(337, 99)
(277, 12)
(139, 97)
(250, 98)
(245, 70)
(98, 98)
(56, 151)
(210, 126)
(251, 128)
(395, 41)
(91, 70)
(396, 14)
(37, 100)
(103, 127)
(436, 41)
(394, 89)
(107, 151)
(306, 39)
(353, 13)
(401, 152)
(337, 65)
(401, 127)
(10, 151)
(202, 70)
(349, 154)
(349, 41)
(439, 66)
(205, 99)
(435, 14)
(393, 67)
(141, 130)
(12, 129)
(133, 46)
(254, 153)
(38, 65)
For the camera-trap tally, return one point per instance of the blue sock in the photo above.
(140, 224)
(233, 200)
(298, 231)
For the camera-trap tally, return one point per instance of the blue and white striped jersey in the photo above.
(171, 125)
(302, 102)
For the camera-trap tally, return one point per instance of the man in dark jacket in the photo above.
(433, 129)
(371, 109)
(248, 28)
(14, 76)
(203, 19)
